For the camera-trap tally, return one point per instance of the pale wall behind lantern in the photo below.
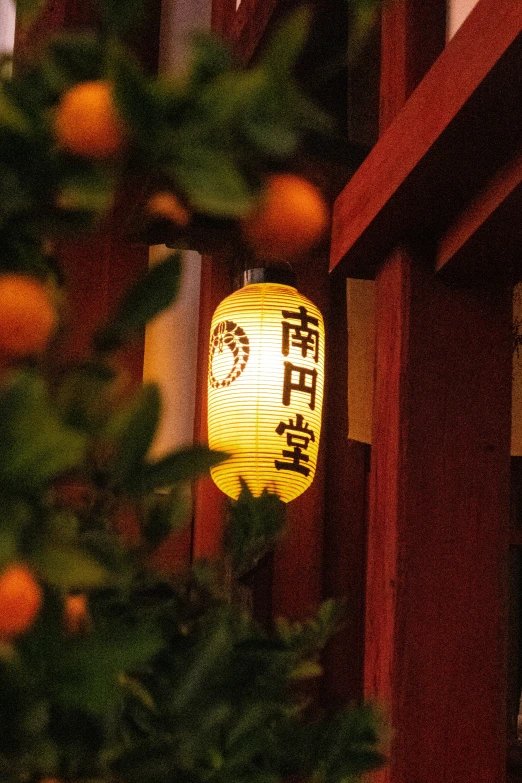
(360, 308)
(361, 363)
(458, 10)
(7, 25)
(171, 341)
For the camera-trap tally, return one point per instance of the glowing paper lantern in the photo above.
(266, 379)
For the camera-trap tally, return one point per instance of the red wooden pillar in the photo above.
(435, 640)
(345, 514)
(439, 497)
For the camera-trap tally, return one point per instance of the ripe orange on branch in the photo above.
(165, 205)
(20, 599)
(87, 123)
(76, 614)
(290, 218)
(27, 316)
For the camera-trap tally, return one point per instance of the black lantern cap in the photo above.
(276, 273)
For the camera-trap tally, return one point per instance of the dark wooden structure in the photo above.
(428, 214)
(433, 214)
(421, 544)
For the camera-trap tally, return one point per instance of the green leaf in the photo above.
(363, 18)
(166, 513)
(138, 691)
(213, 649)
(87, 189)
(268, 124)
(253, 527)
(149, 297)
(306, 670)
(71, 58)
(68, 567)
(132, 429)
(83, 396)
(108, 550)
(17, 703)
(36, 445)
(287, 42)
(62, 528)
(12, 117)
(27, 9)
(308, 637)
(348, 745)
(15, 518)
(212, 181)
(20, 252)
(14, 198)
(210, 57)
(86, 676)
(137, 100)
(180, 466)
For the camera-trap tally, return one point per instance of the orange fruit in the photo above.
(166, 206)
(20, 599)
(290, 218)
(87, 123)
(76, 614)
(27, 316)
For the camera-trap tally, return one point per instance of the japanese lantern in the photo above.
(265, 393)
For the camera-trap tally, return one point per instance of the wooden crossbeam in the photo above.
(459, 126)
(490, 228)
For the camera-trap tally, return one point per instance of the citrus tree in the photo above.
(109, 668)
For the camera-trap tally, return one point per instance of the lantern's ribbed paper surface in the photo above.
(266, 379)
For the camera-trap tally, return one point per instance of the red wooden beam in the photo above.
(415, 35)
(457, 128)
(243, 25)
(488, 229)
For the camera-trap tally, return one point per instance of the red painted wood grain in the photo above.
(437, 548)
(436, 612)
(244, 26)
(345, 514)
(415, 35)
(458, 126)
(488, 229)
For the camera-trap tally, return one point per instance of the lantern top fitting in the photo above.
(276, 273)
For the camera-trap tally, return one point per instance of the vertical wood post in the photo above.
(345, 519)
(439, 495)
(436, 604)
(413, 36)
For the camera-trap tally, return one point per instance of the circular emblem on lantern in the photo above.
(225, 367)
